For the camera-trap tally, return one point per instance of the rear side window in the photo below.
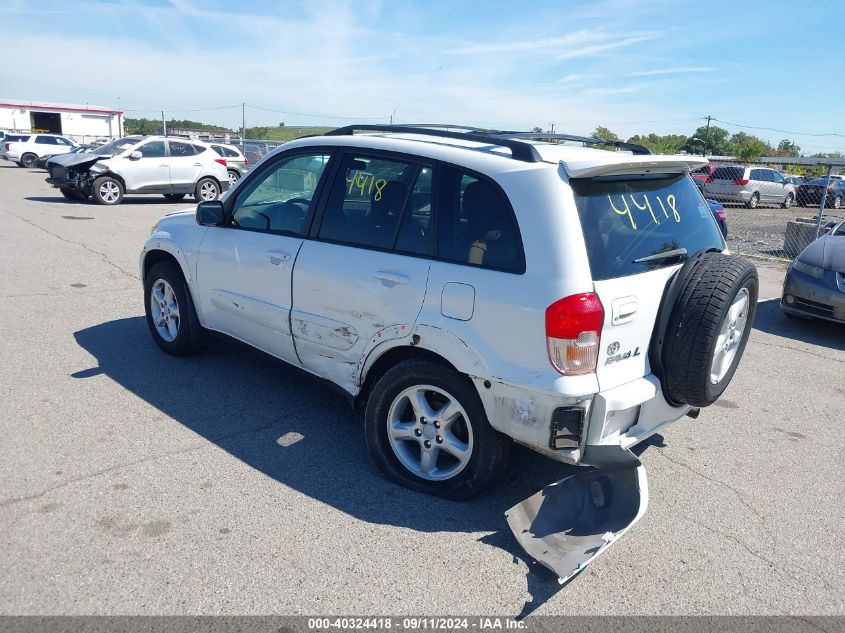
(178, 149)
(626, 219)
(45, 140)
(728, 173)
(367, 201)
(475, 223)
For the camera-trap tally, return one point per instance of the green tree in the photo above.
(787, 148)
(604, 133)
(668, 144)
(717, 139)
(748, 147)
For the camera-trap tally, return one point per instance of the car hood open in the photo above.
(75, 160)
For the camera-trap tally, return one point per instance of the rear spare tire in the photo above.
(708, 328)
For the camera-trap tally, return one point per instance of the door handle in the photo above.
(277, 257)
(197, 164)
(163, 165)
(392, 278)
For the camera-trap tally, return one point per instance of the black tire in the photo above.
(754, 201)
(693, 328)
(202, 185)
(28, 160)
(787, 202)
(174, 196)
(72, 194)
(190, 335)
(490, 448)
(107, 190)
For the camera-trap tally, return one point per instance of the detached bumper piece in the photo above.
(568, 523)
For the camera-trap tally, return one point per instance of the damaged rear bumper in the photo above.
(567, 524)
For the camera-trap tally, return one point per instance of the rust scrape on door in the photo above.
(568, 523)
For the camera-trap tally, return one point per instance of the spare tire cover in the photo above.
(708, 328)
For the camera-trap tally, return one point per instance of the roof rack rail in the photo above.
(512, 140)
(519, 150)
(594, 140)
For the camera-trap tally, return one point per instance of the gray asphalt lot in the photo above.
(136, 483)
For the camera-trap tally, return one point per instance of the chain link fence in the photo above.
(774, 207)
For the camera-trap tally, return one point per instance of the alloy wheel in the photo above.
(164, 309)
(109, 191)
(730, 336)
(429, 432)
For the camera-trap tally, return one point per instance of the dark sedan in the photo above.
(810, 193)
(815, 282)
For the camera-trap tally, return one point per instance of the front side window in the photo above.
(153, 149)
(180, 150)
(63, 141)
(475, 223)
(366, 203)
(278, 199)
(776, 176)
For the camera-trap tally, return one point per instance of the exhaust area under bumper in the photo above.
(569, 523)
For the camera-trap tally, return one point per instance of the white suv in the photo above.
(469, 289)
(141, 164)
(30, 147)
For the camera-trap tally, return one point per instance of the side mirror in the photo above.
(211, 213)
(135, 155)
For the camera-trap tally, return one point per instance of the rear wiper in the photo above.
(677, 252)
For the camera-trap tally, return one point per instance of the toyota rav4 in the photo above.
(470, 288)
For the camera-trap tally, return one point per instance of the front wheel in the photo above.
(788, 201)
(170, 312)
(426, 429)
(107, 190)
(207, 189)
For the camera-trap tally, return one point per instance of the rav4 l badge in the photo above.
(614, 357)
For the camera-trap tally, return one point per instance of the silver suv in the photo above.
(470, 289)
(751, 186)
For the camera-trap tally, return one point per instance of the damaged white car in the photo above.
(471, 288)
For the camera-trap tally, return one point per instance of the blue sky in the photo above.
(631, 65)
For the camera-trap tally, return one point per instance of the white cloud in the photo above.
(671, 71)
(563, 42)
(590, 51)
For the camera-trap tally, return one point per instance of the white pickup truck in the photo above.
(31, 147)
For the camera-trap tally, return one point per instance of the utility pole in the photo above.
(391, 117)
(163, 125)
(553, 127)
(706, 137)
(243, 122)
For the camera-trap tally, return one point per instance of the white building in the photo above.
(83, 123)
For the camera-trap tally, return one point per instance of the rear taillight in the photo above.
(720, 213)
(573, 330)
(741, 181)
(222, 161)
(246, 162)
(709, 179)
(6, 146)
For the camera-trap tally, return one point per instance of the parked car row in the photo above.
(105, 172)
(755, 186)
(141, 165)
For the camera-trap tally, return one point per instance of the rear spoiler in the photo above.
(624, 164)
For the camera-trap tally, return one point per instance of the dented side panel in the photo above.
(348, 301)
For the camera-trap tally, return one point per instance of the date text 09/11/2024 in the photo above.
(415, 623)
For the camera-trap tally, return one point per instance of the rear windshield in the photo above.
(728, 173)
(625, 219)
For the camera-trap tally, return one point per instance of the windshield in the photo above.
(630, 218)
(116, 147)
